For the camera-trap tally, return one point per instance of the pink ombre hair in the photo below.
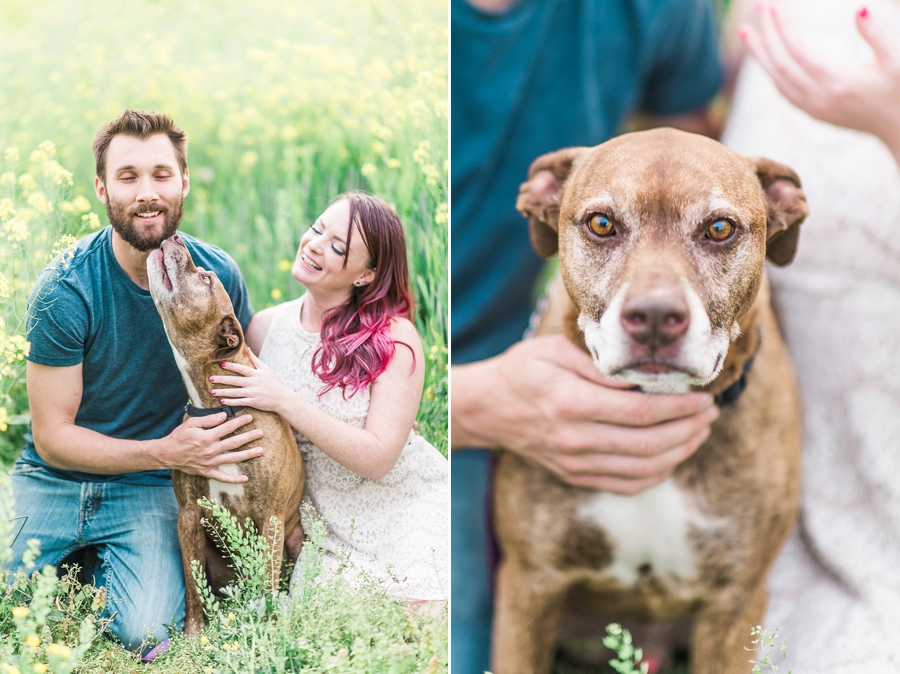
(356, 347)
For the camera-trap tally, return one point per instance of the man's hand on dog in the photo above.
(199, 446)
(545, 400)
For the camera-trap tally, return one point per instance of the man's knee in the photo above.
(136, 624)
(145, 591)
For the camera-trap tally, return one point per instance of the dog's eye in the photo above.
(601, 225)
(719, 230)
(207, 279)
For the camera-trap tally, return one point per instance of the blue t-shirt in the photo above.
(92, 313)
(545, 75)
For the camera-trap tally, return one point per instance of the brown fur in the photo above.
(201, 326)
(658, 187)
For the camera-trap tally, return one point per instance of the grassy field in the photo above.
(285, 105)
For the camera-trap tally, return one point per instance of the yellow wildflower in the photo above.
(4, 286)
(440, 214)
(276, 294)
(16, 229)
(9, 669)
(27, 182)
(284, 265)
(18, 612)
(367, 169)
(39, 667)
(8, 178)
(59, 649)
(39, 202)
(80, 204)
(92, 219)
(393, 163)
(33, 640)
(11, 155)
(247, 162)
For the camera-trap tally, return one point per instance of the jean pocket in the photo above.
(28, 469)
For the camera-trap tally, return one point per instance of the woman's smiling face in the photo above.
(323, 251)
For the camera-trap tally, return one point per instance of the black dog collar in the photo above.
(230, 411)
(734, 391)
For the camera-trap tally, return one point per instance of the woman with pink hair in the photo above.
(343, 364)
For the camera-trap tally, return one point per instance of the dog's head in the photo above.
(194, 305)
(662, 236)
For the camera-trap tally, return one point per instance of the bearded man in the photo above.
(106, 395)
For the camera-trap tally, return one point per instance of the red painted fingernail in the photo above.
(224, 364)
(863, 12)
(212, 393)
(212, 378)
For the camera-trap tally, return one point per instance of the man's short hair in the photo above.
(140, 125)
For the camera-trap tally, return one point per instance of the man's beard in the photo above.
(122, 220)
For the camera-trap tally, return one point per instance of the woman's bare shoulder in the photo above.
(402, 329)
(259, 328)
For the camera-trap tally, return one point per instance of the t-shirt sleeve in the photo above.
(685, 71)
(237, 290)
(57, 323)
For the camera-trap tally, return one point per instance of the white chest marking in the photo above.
(216, 489)
(651, 527)
(186, 376)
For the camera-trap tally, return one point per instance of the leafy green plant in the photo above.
(766, 644)
(628, 658)
(47, 623)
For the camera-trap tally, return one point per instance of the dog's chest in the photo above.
(654, 530)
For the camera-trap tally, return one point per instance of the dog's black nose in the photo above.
(654, 319)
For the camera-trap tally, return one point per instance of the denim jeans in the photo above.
(134, 531)
(471, 572)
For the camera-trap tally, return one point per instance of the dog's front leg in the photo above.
(526, 619)
(722, 635)
(193, 547)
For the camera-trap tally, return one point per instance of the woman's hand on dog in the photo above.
(199, 446)
(259, 388)
(544, 399)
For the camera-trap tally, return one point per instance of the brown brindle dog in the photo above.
(662, 237)
(203, 332)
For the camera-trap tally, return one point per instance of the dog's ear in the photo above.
(786, 208)
(229, 338)
(539, 198)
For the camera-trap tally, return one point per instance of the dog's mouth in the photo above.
(654, 367)
(160, 257)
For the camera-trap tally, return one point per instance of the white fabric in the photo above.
(395, 529)
(835, 590)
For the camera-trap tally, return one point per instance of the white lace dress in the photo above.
(395, 529)
(835, 590)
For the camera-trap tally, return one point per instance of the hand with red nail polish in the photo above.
(862, 96)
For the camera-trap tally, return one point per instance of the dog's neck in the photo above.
(196, 375)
